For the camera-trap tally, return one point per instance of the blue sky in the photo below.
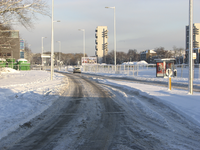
(140, 24)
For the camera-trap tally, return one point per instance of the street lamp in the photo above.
(42, 50)
(52, 40)
(114, 36)
(190, 80)
(59, 51)
(83, 47)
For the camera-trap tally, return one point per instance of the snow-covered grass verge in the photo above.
(184, 103)
(145, 74)
(24, 95)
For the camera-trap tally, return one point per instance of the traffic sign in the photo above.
(169, 72)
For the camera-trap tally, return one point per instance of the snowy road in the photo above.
(91, 115)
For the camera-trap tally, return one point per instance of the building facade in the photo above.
(196, 42)
(195, 50)
(196, 36)
(9, 44)
(101, 41)
(147, 55)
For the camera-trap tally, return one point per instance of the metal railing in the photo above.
(183, 71)
(129, 70)
(148, 70)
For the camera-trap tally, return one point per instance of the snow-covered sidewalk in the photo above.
(24, 95)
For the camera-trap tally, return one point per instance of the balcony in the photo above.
(96, 48)
(196, 31)
(195, 44)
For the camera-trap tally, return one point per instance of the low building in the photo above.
(9, 44)
(147, 55)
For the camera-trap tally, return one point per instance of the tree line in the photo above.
(131, 55)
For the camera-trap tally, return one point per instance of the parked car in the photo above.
(76, 70)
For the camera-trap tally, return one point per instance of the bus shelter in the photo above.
(165, 64)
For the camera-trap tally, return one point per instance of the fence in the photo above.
(148, 70)
(129, 70)
(183, 70)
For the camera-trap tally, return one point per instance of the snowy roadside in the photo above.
(24, 95)
(185, 104)
(146, 75)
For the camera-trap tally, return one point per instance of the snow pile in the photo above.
(142, 62)
(2, 59)
(8, 70)
(24, 95)
(22, 59)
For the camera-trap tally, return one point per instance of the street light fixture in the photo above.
(83, 47)
(114, 36)
(42, 50)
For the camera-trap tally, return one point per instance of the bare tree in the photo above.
(179, 54)
(133, 55)
(27, 53)
(162, 53)
(21, 11)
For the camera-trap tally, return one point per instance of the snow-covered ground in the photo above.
(25, 94)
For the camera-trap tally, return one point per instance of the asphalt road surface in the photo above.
(93, 116)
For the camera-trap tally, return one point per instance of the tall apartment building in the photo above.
(101, 41)
(196, 36)
(196, 41)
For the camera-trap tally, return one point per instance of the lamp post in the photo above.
(114, 36)
(52, 40)
(190, 80)
(42, 50)
(83, 47)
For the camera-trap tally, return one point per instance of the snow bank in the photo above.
(8, 70)
(24, 95)
(142, 62)
(186, 104)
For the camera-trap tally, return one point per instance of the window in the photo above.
(8, 54)
(14, 34)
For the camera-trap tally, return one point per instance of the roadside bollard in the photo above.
(170, 83)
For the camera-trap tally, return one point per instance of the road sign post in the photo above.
(169, 73)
